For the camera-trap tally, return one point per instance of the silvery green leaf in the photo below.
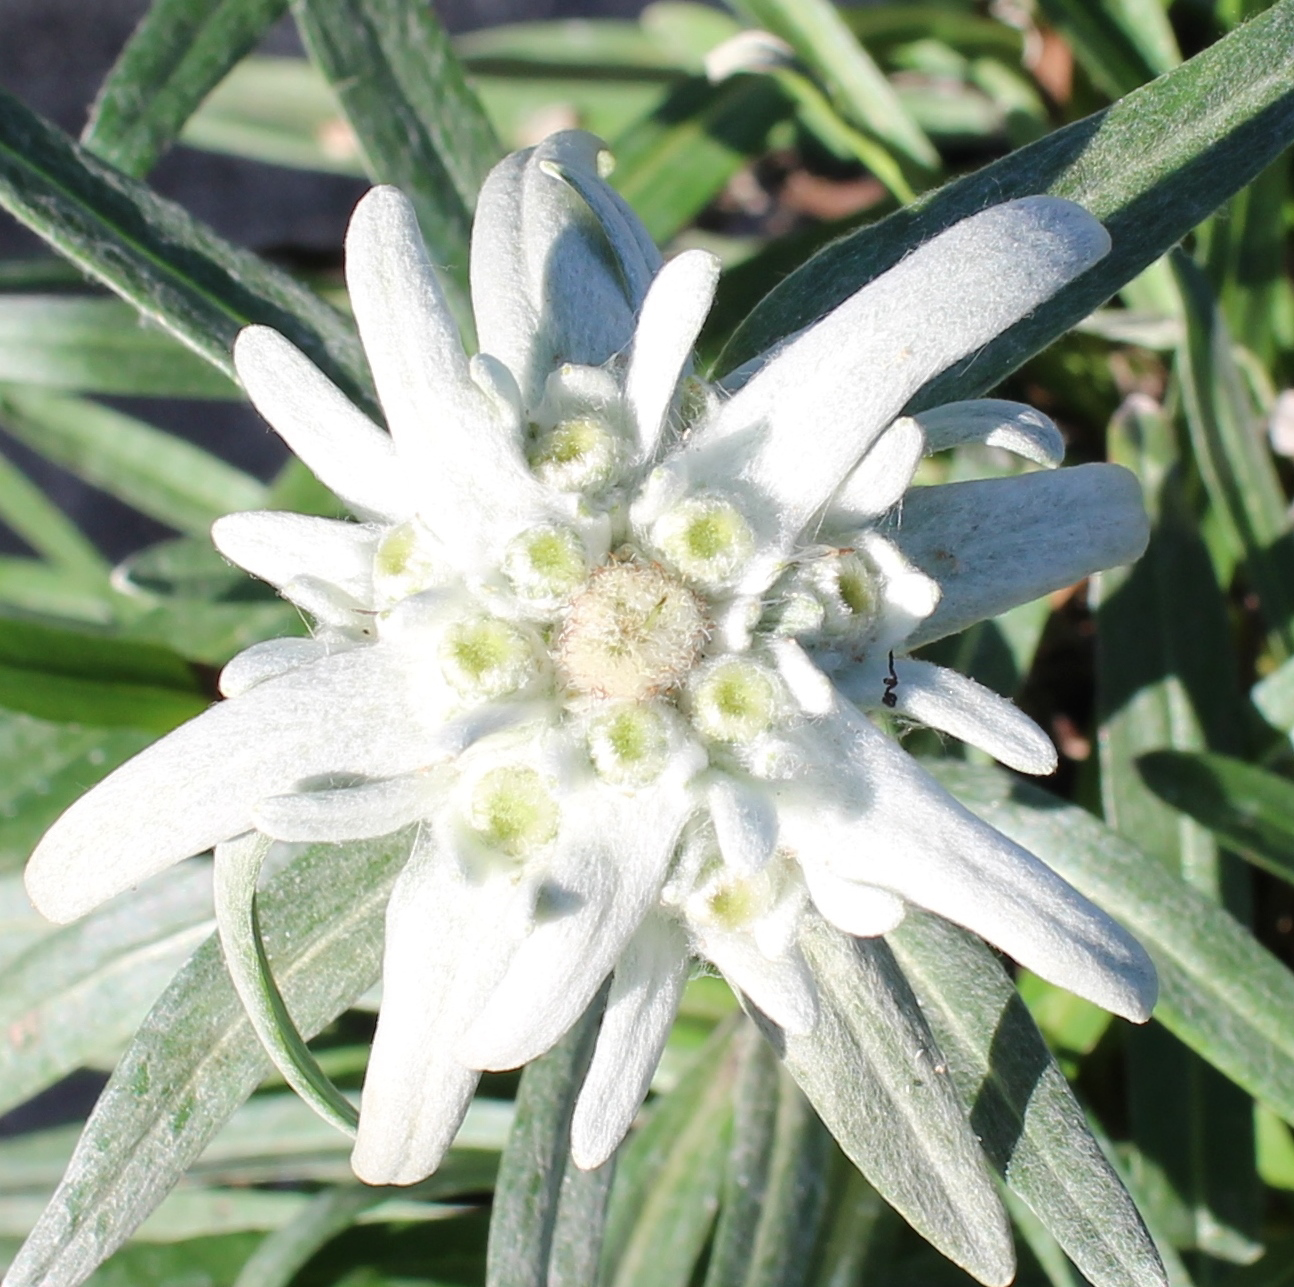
(79, 993)
(530, 1185)
(152, 253)
(176, 55)
(880, 1084)
(196, 1057)
(1150, 168)
(1221, 992)
(670, 1174)
(1020, 1105)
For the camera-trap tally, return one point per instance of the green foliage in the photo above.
(941, 1105)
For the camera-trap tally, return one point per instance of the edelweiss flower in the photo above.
(607, 635)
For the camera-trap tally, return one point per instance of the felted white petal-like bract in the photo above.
(359, 812)
(267, 660)
(997, 542)
(282, 548)
(745, 821)
(879, 480)
(472, 484)
(856, 368)
(343, 448)
(861, 910)
(199, 784)
(595, 627)
(641, 1005)
(945, 700)
(606, 872)
(668, 324)
(545, 289)
(903, 832)
(781, 986)
(448, 939)
(1013, 426)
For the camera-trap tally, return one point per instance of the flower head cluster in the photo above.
(608, 634)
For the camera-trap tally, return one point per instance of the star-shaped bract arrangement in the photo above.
(605, 636)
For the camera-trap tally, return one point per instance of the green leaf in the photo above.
(176, 54)
(79, 677)
(81, 991)
(1166, 679)
(526, 1197)
(605, 48)
(670, 1174)
(1249, 809)
(153, 254)
(849, 1249)
(745, 1180)
(43, 768)
(34, 517)
(1233, 457)
(795, 1196)
(154, 472)
(874, 1073)
(670, 165)
(30, 586)
(1239, 247)
(1150, 167)
(237, 873)
(277, 110)
(859, 91)
(196, 1057)
(98, 346)
(175, 57)
(581, 1221)
(1221, 992)
(276, 1261)
(1020, 1105)
(1120, 44)
(418, 122)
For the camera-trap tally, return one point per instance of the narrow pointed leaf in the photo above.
(237, 872)
(1234, 461)
(26, 509)
(1251, 810)
(1020, 1105)
(672, 163)
(276, 1261)
(670, 1175)
(581, 1222)
(1150, 168)
(43, 768)
(1166, 679)
(80, 992)
(1121, 44)
(877, 1079)
(1221, 992)
(529, 1189)
(98, 346)
(153, 254)
(196, 1058)
(795, 1198)
(79, 677)
(821, 37)
(154, 472)
(745, 1181)
(178, 53)
(418, 122)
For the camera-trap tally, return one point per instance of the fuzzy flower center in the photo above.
(633, 632)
